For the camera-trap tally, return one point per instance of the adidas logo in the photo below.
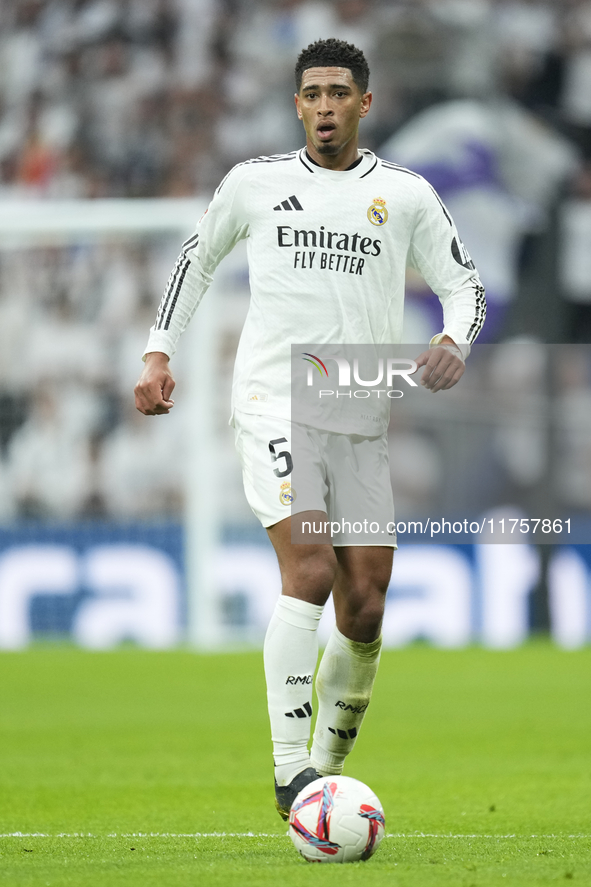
(289, 204)
(344, 734)
(304, 712)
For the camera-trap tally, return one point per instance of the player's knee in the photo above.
(365, 605)
(371, 612)
(362, 623)
(321, 568)
(313, 572)
(371, 619)
(369, 590)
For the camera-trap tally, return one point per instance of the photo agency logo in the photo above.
(387, 371)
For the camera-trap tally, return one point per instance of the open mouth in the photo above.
(325, 130)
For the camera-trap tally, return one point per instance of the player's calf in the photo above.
(290, 654)
(344, 684)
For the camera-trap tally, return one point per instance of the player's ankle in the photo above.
(286, 771)
(327, 764)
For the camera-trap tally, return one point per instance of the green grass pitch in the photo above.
(116, 769)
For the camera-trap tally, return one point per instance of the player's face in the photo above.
(330, 105)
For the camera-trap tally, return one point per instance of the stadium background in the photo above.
(117, 120)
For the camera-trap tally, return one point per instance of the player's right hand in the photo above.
(155, 385)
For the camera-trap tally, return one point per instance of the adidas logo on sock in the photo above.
(344, 734)
(289, 204)
(304, 712)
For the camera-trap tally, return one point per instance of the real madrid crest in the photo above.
(377, 213)
(286, 494)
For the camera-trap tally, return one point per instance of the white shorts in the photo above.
(289, 468)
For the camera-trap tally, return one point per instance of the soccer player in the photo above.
(330, 230)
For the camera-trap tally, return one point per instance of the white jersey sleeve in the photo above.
(437, 252)
(220, 228)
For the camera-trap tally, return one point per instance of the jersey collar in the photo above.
(368, 163)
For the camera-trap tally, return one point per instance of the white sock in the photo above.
(343, 685)
(290, 654)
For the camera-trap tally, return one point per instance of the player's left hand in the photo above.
(444, 366)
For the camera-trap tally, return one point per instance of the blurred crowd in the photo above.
(490, 99)
(160, 97)
(72, 444)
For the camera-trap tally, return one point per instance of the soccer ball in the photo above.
(336, 819)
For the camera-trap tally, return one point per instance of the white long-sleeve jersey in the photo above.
(327, 254)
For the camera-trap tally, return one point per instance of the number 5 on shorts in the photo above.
(284, 454)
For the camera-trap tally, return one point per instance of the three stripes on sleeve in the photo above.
(174, 285)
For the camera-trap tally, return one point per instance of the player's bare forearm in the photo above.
(155, 386)
(444, 365)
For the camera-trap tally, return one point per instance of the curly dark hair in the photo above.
(333, 53)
